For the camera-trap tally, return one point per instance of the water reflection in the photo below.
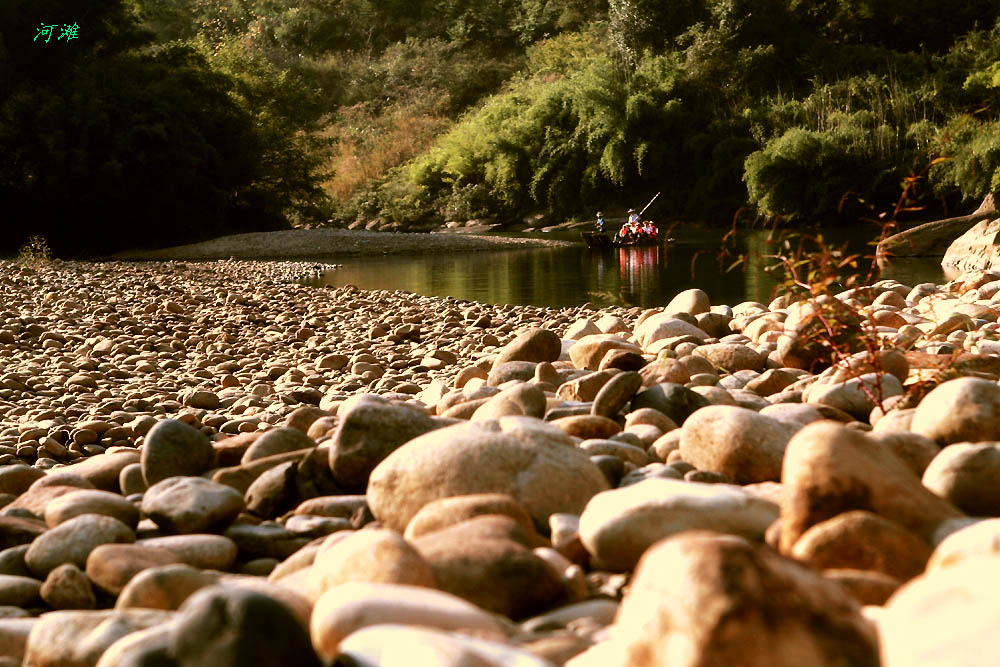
(570, 276)
(914, 270)
(638, 269)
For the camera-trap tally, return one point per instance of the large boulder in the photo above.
(17, 477)
(587, 426)
(856, 396)
(378, 555)
(589, 350)
(103, 471)
(446, 512)
(913, 449)
(739, 443)
(979, 538)
(14, 633)
(664, 369)
(209, 552)
(523, 398)
(532, 461)
(91, 501)
(18, 591)
(36, 498)
(859, 540)
(674, 400)
(164, 587)
(79, 638)
(368, 432)
(975, 248)
(173, 448)
(67, 587)
(230, 627)
(665, 325)
(482, 561)
(618, 526)
(701, 599)
(965, 409)
(585, 387)
(580, 328)
(511, 370)
(817, 327)
(352, 606)
(111, 566)
(191, 505)
(535, 345)
(73, 540)
(945, 618)
(968, 475)
(15, 531)
(830, 469)
(614, 395)
(731, 357)
(691, 301)
(277, 441)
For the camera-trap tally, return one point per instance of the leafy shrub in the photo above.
(368, 146)
(391, 108)
(973, 168)
(986, 78)
(564, 53)
(545, 142)
(432, 75)
(467, 202)
(905, 25)
(35, 251)
(638, 25)
(804, 173)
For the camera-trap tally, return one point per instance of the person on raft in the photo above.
(600, 222)
(625, 234)
(635, 228)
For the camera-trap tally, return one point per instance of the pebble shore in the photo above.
(324, 243)
(208, 463)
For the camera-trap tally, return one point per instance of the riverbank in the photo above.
(331, 243)
(200, 445)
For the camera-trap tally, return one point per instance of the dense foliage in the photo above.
(172, 120)
(112, 141)
(807, 111)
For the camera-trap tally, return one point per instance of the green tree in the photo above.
(808, 175)
(110, 144)
(637, 25)
(972, 169)
(905, 25)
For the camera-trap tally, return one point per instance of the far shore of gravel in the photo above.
(332, 243)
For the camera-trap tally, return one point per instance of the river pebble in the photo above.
(618, 526)
(191, 505)
(191, 453)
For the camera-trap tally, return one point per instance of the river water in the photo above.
(570, 276)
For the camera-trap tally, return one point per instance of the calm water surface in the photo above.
(572, 276)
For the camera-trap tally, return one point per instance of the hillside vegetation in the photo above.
(176, 120)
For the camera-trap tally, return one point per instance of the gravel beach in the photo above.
(329, 243)
(201, 461)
